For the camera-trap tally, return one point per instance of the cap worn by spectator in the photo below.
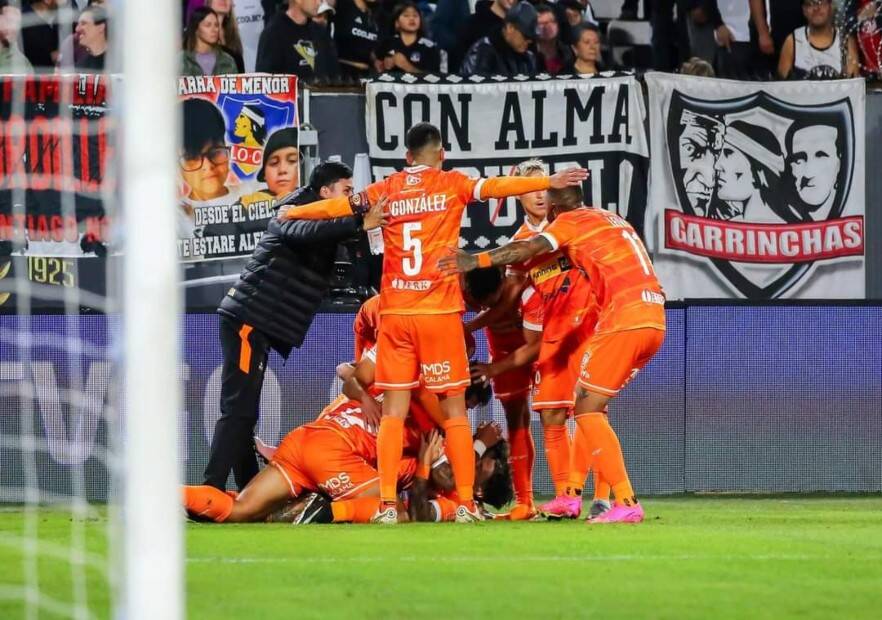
(324, 7)
(524, 18)
(283, 138)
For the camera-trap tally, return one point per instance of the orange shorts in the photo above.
(557, 370)
(429, 346)
(319, 459)
(612, 359)
(514, 383)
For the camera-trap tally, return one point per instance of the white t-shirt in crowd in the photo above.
(249, 17)
(736, 16)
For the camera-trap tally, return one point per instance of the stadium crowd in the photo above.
(343, 41)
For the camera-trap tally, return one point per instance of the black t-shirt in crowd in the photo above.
(785, 17)
(423, 54)
(39, 38)
(306, 50)
(355, 33)
(90, 64)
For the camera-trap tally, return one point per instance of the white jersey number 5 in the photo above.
(412, 266)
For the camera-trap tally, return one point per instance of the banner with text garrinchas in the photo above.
(490, 124)
(240, 152)
(757, 189)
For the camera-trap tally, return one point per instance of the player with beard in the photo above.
(425, 206)
(630, 325)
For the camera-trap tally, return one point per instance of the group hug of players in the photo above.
(572, 310)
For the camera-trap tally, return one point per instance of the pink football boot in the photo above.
(562, 507)
(620, 514)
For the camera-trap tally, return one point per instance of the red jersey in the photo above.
(606, 247)
(567, 297)
(424, 213)
(366, 326)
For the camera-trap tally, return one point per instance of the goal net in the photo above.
(89, 517)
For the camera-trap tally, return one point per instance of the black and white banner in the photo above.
(757, 189)
(489, 125)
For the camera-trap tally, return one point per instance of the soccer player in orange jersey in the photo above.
(420, 307)
(630, 325)
(366, 327)
(513, 348)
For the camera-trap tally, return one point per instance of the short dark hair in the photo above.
(570, 197)
(497, 490)
(203, 125)
(328, 173)
(480, 391)
(422, 135)
(583, 27)
(545, 8)
(402, 7)
(481, 283)
(99, 16)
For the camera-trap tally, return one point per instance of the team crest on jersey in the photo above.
(761, 186)
(412, 179)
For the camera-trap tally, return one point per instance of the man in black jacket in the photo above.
(271, 306)
(506, 51)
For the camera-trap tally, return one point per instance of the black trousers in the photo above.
(232, 446)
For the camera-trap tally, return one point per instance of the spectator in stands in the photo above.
(446, 24)
(506, 51)
(784, 16)
(670, 39)
(554, 54)
(202, 54)
(39, 35)
(356, 34)
(488, 18)
(408, 50)
(293, 43)
(731, 21)
(230, 42)
(12, 60)
(815, 51)
(586, 50)
(91, 32)
(697, 66)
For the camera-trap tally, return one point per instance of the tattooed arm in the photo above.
(514, 252)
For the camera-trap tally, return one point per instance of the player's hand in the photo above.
(568, 177)
(457, 261)
(372, 412)
(489, 433)
(483, 372)
(375, 218)
(431, 447)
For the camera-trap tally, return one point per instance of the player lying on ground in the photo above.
(417, 303)
(336, 455)
(630, 326)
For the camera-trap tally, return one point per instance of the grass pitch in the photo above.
(695, 557)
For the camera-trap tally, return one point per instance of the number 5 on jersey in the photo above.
(411, 266)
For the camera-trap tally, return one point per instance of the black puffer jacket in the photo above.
(491, 55)
(283, 283)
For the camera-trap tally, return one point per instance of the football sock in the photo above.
(601, 486)
(557, 452)
(207, 501)
(458, 442)
(580, 463)
(359, 510)
(390, 443)
(447, 508)
(604, 445)
(521, 459)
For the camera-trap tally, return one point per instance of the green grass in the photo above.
(695, 557)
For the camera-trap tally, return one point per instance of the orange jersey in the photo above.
(565, 291)
(605, 246)
(343, 416)
(424, 213)
(366, 326)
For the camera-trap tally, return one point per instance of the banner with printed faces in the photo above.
(240, 152)
(488, 125)
(757, 189)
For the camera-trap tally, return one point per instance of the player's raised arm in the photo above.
(458, 261)
(503, 187)
(362, 203)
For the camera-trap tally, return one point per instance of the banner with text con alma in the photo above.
(757, 189)
(490, 124)
(240, 152)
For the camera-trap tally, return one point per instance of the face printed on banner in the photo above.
(282, 171)
(697, 155)
(734, 178)
(206, 173)
(815, 163)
